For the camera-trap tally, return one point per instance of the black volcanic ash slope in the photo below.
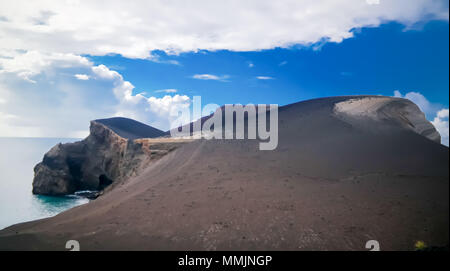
(346, 170)
(130, 129)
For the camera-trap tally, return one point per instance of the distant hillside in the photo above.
(130, 129)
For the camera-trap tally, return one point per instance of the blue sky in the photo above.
(376, 61)
(64, 63)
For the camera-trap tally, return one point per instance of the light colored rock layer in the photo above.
(390, 110)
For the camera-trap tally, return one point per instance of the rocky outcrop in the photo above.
(101, 159)
(386, 110)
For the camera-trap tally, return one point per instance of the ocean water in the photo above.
(18, 156)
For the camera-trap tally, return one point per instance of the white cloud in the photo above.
(251, 65)
(59, 105)
(419, 100)
(103, 72)
(441, 124)
(282, 63)
(8, 129)
(169, 90)
(171, 61)
(442, 114)
(82, 77)
(134, 30)
(157, 112)
(31, 63)
(373, 2)
(264, 78)
(210, 77)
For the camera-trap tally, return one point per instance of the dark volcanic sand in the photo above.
(330, 185)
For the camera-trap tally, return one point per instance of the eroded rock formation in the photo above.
(94, 163)
(398, 112)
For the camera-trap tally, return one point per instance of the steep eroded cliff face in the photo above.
(93, 163)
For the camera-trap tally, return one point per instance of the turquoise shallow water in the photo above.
(18, 156)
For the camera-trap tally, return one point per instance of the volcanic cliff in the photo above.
(110, 153)
(346, 170)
